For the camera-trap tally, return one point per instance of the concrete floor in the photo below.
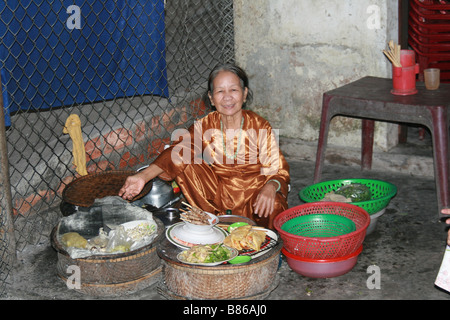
(407, 245)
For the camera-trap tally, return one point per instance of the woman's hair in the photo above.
(243, 78)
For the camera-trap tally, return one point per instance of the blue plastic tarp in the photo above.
(52, 54)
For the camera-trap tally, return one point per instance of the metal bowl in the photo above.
(168, 216)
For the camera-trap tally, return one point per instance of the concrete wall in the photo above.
(294, 50)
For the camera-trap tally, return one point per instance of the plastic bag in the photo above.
(119, 241)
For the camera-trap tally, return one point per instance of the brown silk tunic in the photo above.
(214, 183)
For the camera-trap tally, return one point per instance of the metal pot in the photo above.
(160, 194)
(168, 216)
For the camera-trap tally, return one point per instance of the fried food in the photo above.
(245, 238)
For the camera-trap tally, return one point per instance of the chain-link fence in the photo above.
(132, 69)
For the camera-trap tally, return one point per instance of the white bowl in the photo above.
(180, 236)
(373, 221)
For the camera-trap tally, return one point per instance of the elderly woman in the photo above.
(228, 160)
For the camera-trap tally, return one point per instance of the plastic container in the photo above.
(323, 247)
(432, 78)
(404, 80)
(382, 192)
(373, 221)
(324, 268)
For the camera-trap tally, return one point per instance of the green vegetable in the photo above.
(357, 192)
(218, 253)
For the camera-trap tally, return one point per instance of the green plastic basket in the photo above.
(382, 192)
(319, 225)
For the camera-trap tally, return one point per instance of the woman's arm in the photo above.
(277, 181)
(265, 201)
(134, 184)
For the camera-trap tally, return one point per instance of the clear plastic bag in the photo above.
(119, 241)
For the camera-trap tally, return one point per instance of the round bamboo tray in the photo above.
(112, 274)
(253, 280)
(84, 190)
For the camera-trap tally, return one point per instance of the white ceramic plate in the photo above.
(233, 254)
(146, 228)
(180, 236)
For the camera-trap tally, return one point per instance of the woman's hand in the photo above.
(132, 187)
(265, 201)
(134, 184)
(447, 211)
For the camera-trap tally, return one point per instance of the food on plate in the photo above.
(206, 254)
(141, 231)
(74, 239)
(195, 215)
(355, 191)
(245, 238)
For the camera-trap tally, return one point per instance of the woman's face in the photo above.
(227, 96)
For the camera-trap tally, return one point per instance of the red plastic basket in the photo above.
(428, 37)
(432, 4)
(327, 247)
(440, 48)
(426, 27)
(430, 13)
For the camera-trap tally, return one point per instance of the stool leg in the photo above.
(367, 144)
(323, 138)
(440, 150)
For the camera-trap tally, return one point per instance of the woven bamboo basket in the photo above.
(113, 274)
(254, 280)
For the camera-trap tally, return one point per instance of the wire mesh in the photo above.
(48, 77)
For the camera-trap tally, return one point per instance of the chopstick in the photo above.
(394, 54)
(186, 204)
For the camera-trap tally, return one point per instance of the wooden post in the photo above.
(7, 237)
